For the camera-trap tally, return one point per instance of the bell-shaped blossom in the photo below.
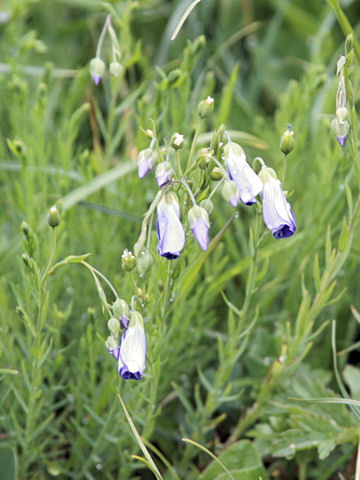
(277, 212)
(146, 160)
(163, 173)
(170, 232)
(246, 180)
(131, 354)
(199, 225)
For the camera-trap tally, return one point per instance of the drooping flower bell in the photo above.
(146, 160)
(199, 225)
(340, 124)
(277, 212)
(170, 232)
(131, 355)
(246, 180)
(163, 173)
(231, 193)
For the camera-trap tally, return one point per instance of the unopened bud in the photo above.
(53, 217)
(116, 68)
(205, 107)
(287, 142)
(177, 141)
(341, 130)
(111, 343)
(216, 174)
(120, 309)
(208, 205)
(128, 261)
(349, 44)
(146, 160)
(114, 326)
(163, 173)
(97, 69)
(231, 193)
(144, 263)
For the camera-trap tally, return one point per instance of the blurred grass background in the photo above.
(267, 63)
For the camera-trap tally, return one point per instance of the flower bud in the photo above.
(53, 217)
(342, 113)
(231, 193)
(116, 68)
(97, 69)
(216, 174)
(341, 130)
(287, 142)
(114, 326)
(144, 262)
(349, 44)
(146, 160)
(121, 310)
(199, 224)
(205, 107)
(208, 205)
(111, 343)
(163, 173)
(128, 261)
(177, 141)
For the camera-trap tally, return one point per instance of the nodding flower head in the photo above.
(277, 212)
(131, 354)
(246, 180)
(199, 225)
(146, 160)
(231, 193)
(163, 174)
(170, 232)
(97, 69)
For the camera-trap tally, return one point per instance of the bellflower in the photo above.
(199, 225)
(248, 183)
(163, 173)
(169, 229)
(97, 69)
(231, 193)
(146, 160)
(277, 212)
(131, 354)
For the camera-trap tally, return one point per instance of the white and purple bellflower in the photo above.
(231, 193)
(97, 69)
(131, 354)
(246, 180)
(199, 224)
(146, 160)
(277, 212)
(163, 173)
(170, 232)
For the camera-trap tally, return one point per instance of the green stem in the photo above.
(193, 146)
(51, 259)
(102, 35)
(94, 271)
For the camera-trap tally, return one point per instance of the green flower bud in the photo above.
(216, 174)
(231, 193)
(136, 318)
(111, 342)
(205, 107)
(174, 75)
(30, 240)
(349, 44)
(342, 113)
(116, 68)
(144, 262)
(120, 308)
(128, 261)
(208, 205)
(97, 69)
(53, 217)
(287, 141)
(203, 158)
(114, 326)
(177, 141)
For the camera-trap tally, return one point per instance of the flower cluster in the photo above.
(130, 349)
(97, 65)
(240, 183)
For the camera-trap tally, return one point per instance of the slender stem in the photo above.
(102, 35)
(188, 189)
(177, 157)
(167, 289)
(193, 145)
(96, 272)
(51, 259)
(284, 169)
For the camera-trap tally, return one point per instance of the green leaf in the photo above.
(241, 459)
(352, 378)
(7, 463)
